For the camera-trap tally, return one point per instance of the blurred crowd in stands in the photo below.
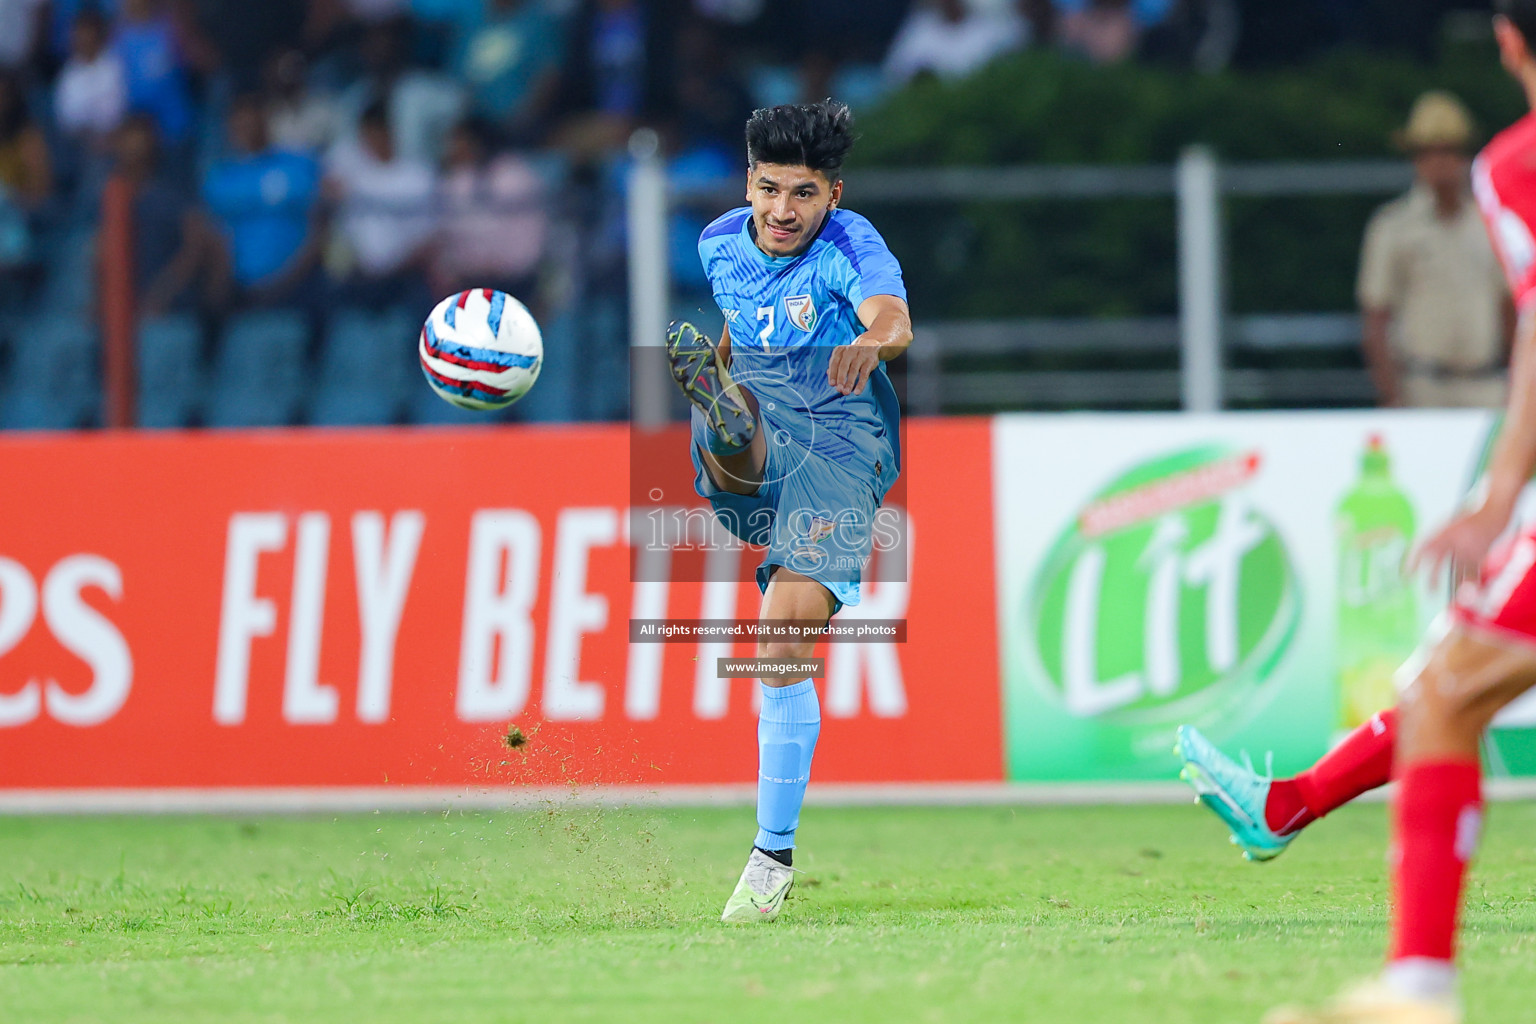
(324, 161)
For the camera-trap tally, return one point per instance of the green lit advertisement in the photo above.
(1155, 570)
(1169, 599)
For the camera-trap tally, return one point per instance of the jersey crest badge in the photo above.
(820, 530)
(808, 555)
(802, 312)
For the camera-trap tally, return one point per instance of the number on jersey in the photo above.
(765, 313)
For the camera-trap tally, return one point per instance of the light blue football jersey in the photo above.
(786, 314)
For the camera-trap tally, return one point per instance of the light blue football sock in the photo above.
(786, 738)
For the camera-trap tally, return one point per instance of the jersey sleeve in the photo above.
(725, 300)
(714, 239)
(867, 267)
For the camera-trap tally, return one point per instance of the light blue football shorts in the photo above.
(814, 515)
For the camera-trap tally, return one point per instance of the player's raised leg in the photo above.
(733, 448)
(787, 729)
(1265, 814)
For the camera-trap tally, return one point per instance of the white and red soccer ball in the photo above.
(481, 349)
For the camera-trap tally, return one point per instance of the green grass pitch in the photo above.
(1132, 915)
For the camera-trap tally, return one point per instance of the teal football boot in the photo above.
(1235, 793)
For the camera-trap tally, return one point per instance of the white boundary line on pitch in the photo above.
(319, 800)
(309, 800)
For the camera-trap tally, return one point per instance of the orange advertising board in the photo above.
(376, 608)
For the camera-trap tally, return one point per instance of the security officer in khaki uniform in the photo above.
(1436, 308)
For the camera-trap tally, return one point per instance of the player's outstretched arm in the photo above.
(1465, 540)
(887, 333)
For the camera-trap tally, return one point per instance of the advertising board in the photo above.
(379, 608)
(1241, 572)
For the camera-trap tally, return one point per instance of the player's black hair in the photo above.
(1521, 14)
(814, 135)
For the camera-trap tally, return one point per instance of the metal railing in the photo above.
(931, 389)
(1199, 338)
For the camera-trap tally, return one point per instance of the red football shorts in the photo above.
(1503, 600)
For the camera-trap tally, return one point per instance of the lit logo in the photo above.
(1170, 597)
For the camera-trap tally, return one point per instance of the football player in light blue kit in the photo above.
(794, 425)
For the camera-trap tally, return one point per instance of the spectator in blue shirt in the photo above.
(264, 202)
(615, 42)
(154, 67)
(609, 81)
(510, 58)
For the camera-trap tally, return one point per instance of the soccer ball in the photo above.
(481, 349)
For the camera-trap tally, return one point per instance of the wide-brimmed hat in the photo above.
(1438, 121)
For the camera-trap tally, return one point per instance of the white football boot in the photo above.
(760, 892)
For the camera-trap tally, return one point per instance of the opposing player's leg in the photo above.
(787, 729)
(1234, 792)
(1265, 814)
(1464, 683)
(1359, 763)
(733, 448)
(1458, 685)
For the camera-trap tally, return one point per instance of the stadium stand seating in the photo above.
(9, 323)
(54, 374)
(259, 374)
(70, 283)
(171, 376)
(426, 407)
(365, 368)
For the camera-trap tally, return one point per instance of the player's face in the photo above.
(788, 205)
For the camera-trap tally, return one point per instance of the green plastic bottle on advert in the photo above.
(1378, 620)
